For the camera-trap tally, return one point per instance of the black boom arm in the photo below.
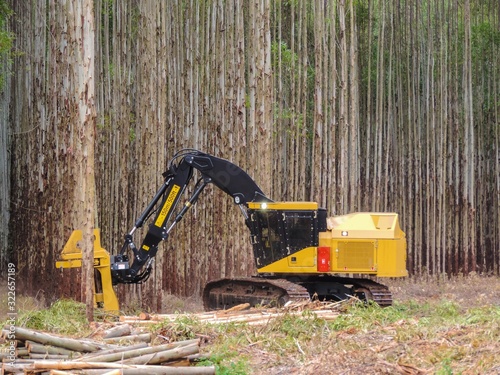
(225, 175)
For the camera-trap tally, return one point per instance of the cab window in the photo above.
(300, 230)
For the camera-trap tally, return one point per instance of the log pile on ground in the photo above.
(126, 347)
(120, 351)
(244, 314)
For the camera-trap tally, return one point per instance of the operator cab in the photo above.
(280, 229)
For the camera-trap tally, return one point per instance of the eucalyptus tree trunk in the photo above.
(354, 143)
(80, 41)
(469, 168)
(343, 125)
(5, 165)
(260, 90)
(331, 123)
(320, 133)
(53, 132)
(493, 257)
(176, 76)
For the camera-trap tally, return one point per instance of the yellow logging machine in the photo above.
(299, 251)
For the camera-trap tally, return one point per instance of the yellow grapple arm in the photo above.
(71, 257)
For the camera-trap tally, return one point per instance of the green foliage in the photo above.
(107, 13)
(362, 9)
(226, 340)
(131, 131)
(225, 349)
(447, 310)
(105, 124)
(281, 53)
(445, 368)
(107, 6)
(363, 317)
(111, 70)
(63, 316)
(484, 38)
(422, 317)
(302, 326)
(135, 24)
(294, 118)
(292, 334)
(282, 57)
(6, 39)
(184, 327)
(289, 3)
(5, 14)
(227, 362)
(6, 42)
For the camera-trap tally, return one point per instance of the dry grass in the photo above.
(470, 291)
(21, 303)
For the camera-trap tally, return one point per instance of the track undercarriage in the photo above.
(228, 292)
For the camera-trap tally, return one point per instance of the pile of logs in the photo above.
(121, 350)
(243, 314)
(118, 352)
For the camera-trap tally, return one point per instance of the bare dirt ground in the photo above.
(469, 291)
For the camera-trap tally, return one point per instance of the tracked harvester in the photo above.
(300, 252)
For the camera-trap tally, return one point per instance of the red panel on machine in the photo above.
(323, 259)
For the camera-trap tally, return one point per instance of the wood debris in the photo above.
(121, 350)
(126, 348)
(243, 314)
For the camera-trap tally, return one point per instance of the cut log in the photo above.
(164, 356)
(249, 318)
(165, 370)
(47, 356)
(243, 306)
(34, 347)
(198, 357)
(142, 337)
(144, 316)
(16, 368)
(62, 342)
(144, 370)
(241, 313)
(113, 372)
(21, 352)
(122, 330)
(126, 354)
(73, 365)
(92, 356)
